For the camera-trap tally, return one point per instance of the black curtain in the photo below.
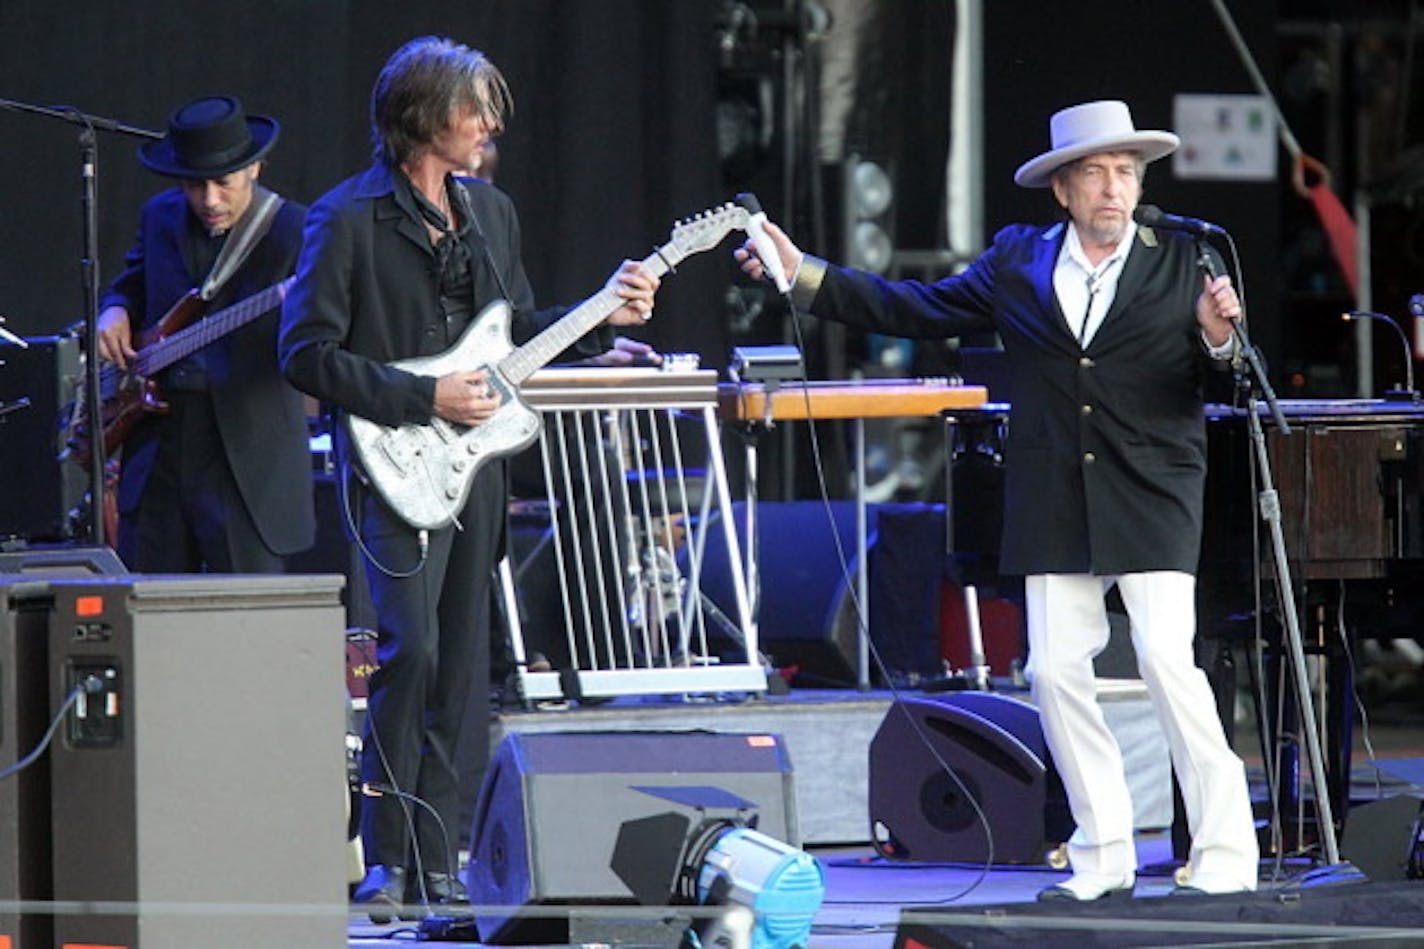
(1039, 58)
(612, 139)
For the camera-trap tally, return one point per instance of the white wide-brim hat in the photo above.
(1088, 129)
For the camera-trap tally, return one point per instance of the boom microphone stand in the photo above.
(1270, 511)
(89, 282)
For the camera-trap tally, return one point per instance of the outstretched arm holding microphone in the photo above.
(1107, 323)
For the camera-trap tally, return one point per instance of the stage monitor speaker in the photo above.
(37, 491)
(25, 859)
(1382, 838)
(570, 818)
(933, 759)
(62, 560)
(201, 787)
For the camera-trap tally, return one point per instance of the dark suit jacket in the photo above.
(364, 297)
(261, 418)
(1106, 454)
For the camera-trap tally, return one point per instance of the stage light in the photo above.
(748, 872)
(867, 205)
(870, 247)
(871, 188)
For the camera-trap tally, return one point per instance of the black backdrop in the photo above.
(614, 134)
(612, 138)
(1041, 57)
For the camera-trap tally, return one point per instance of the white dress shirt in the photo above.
(1085, 292)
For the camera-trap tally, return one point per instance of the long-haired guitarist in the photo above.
(398, 263)
(216, 468)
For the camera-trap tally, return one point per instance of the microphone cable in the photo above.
(354, 531)
(374, 789)
(862, 630)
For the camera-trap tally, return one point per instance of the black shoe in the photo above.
(439, 888)
(381, 892)
(1088, 888)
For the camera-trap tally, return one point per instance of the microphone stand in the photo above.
(1270, 511)
(89, 282)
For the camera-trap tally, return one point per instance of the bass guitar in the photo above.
(127, 395)
(424, 471)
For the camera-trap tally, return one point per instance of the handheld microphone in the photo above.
(765, 249)
(1149, 215)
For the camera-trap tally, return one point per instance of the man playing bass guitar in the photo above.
(216, 469)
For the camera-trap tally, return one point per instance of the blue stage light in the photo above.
(782, 887)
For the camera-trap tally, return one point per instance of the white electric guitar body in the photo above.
(424, 472)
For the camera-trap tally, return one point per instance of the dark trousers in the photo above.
(433, 651)
(190, 517)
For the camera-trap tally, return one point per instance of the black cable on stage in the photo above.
(863, 630)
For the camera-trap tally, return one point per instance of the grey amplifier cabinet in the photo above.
(198, 796)
(24, 797)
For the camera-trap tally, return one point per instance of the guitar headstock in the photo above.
(705, 230)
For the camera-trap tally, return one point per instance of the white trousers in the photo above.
(1067, 627)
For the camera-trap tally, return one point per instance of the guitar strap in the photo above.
(245, 235)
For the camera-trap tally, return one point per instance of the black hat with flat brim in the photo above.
(209, 138)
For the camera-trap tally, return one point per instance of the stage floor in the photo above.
(973, 905)
(828, 734)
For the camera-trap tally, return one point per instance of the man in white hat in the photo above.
(1110, 329)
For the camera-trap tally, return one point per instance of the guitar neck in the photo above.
(542, 349)
(164, 353)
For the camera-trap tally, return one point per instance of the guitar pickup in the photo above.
(444, 430)
(397, 462)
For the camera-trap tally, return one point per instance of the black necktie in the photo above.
(1095, 279)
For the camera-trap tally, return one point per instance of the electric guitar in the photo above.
(424, 472)
(127, 395)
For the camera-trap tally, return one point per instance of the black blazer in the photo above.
(1106, 453)
(261, 418)
(364, 297)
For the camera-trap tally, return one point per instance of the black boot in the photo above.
(381, 891)
(440, 888)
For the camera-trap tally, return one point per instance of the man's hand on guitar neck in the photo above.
(116, 336)
(465, 398)
(637, 287)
